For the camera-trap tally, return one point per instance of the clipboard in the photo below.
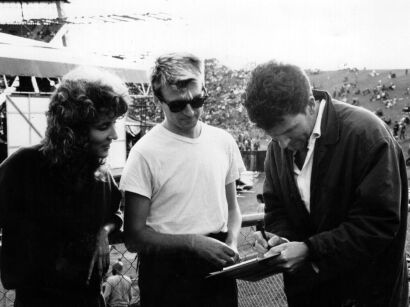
(250, 270)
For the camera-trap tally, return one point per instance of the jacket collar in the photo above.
(330, 123)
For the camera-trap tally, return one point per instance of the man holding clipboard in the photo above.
(181, 211)
(336, 188)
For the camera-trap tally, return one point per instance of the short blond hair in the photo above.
(176, 70)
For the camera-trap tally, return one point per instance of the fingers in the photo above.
(101, 258)
(225, 256)
(292, 255)
(229, 251)
(275, 240)
(91, 267)
(101, 262)
(228, 257)
(262, 246)
(281, 248)
(236, 258)
(273, 252)
(260, 242)
(227, 262)
(217, 252)
(259, 248)
(104, 260)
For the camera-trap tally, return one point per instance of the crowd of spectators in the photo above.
(399, 128)
(384, 92)
(350, 91)
(224, 107)
(226, 88)
(247, 143)
(345, 89)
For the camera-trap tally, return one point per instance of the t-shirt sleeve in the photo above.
(236, 165)
(137, 176)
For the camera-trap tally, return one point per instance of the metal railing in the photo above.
(266, 292)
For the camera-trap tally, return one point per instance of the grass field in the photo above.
(331, 80)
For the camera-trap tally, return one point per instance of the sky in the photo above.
(323, 34)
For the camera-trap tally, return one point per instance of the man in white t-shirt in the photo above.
(181, 212)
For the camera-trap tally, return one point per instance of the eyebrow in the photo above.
(190, 98)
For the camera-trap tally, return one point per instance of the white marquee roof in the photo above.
(26, 57)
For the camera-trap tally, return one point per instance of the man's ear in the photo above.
(311, 105)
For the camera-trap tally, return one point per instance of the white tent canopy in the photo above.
(20, 41)
(25, 57)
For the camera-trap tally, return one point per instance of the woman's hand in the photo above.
(101, 255)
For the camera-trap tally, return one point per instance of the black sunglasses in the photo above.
(178, 105)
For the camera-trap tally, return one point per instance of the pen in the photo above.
(264, 233)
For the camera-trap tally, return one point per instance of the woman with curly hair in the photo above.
(58, 201)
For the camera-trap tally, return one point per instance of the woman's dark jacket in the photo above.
(356, 227)
(50, 224)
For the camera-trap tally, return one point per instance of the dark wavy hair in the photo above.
(83, 96)
(276, 90)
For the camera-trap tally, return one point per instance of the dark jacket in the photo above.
(49, 226)
(357, 223)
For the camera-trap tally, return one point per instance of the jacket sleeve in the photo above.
(276, 220)
(374, 217)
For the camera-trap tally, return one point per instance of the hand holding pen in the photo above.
(266, 240)
(262, 230)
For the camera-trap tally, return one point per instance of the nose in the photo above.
(112, 133)
(189, 110)
(283, 141)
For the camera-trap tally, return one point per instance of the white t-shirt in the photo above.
(303, 176)
(185, 178)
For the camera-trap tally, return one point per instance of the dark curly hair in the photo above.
(83, 96)
(276, 90)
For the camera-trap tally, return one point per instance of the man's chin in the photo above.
(190, 124)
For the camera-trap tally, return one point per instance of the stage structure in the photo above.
(33, 58)
(29, 81)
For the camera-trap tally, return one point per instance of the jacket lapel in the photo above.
(329, 136)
